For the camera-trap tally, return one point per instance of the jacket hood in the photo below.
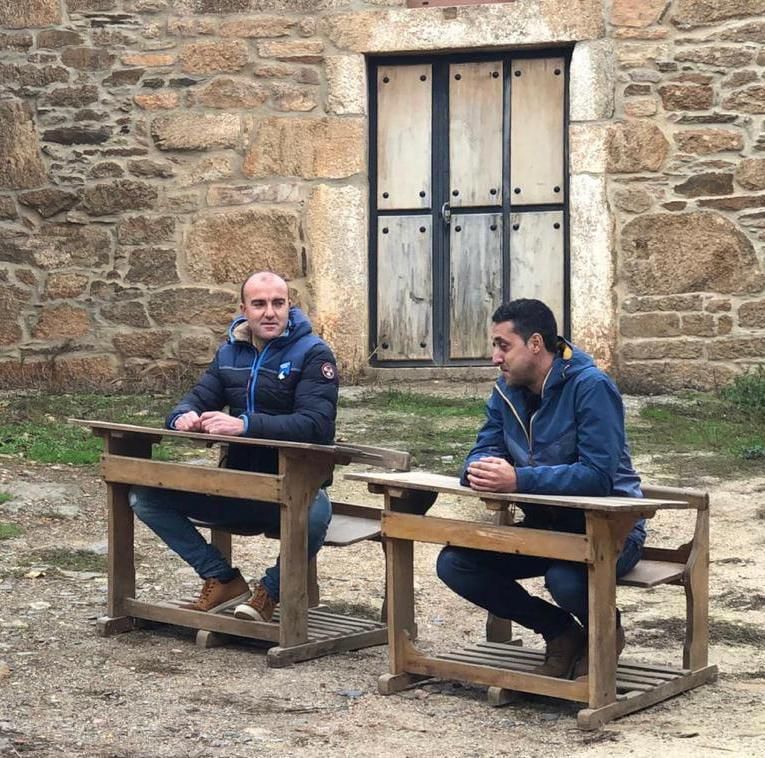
(568, 362)
(298, 325)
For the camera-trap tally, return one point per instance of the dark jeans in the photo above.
(488, 579)
(168, 514)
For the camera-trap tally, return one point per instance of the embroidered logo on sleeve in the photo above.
(328, 371)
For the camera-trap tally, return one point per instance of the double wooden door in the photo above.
(468, 196)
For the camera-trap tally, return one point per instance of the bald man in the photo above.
(278, 381)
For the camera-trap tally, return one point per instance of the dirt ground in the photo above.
(66, 692)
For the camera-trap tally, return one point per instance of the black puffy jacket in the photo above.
(286, 391)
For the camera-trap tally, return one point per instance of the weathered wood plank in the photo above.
(404, 117)
(562, 545)
(404, 288)
(475, 133)
(536, 259)
(190, 478)
(475, 282)
(536, 130)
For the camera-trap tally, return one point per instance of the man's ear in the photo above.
(241, 308)
(537, 343)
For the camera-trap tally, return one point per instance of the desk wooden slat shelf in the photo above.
(299, 632)
(609, 690)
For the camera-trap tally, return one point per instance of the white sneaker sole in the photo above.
(247, 612)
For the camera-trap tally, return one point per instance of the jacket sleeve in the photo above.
(315, 408)
(206, 395)
(599, 416)
(490, 441)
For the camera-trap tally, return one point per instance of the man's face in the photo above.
(266, 306)
(513, 356)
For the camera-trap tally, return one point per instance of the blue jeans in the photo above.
(168, 514)
(488, 579)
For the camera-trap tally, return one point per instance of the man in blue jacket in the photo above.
(279, 381)
(554, 426)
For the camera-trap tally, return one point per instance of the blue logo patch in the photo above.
(284, 370)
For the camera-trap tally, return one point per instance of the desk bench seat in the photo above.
(649, 573)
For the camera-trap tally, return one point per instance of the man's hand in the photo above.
(188, 422)
(492, 475)
(217, 422)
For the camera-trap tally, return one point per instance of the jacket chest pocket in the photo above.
(276, 391)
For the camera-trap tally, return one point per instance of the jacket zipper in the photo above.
(254, 379)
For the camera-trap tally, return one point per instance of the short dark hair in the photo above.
(529, 317)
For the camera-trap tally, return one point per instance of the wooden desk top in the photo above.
(422, 480)
(377, 456)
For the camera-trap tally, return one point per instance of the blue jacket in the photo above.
(574, 443)
(287, 391)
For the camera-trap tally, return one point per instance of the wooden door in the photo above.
(469, 200)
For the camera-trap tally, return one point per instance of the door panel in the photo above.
(536, 131)
(475, 282)
(404, 127)
(404, 288)
(475, 133)
(536, 259)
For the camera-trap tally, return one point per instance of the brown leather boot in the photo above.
(216, 594)
(583, 664)
(562, 652)
(260, 607)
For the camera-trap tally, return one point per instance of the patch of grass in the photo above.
(704, 435)
(8, 531)
(67, 559)
(35, 426)
(747, 391)
(5, 497)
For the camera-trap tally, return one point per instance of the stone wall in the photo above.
(152, 152)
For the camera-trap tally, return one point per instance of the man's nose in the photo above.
(496, 357)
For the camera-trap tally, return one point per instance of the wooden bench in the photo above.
(610, 689)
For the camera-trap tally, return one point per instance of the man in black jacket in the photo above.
(278, 381)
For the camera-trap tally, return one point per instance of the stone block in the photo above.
(258, 27)
(21, 165)
(650, 325)
(707, 141)
(718, 305)
(587, 147)
(49, 201)
(192, 27)
(737, 203)
(682, 97)
(640, 107)
(70, 245)
(129, 313)
(142, 230)
(244, 194)
(718, 56)
(658, 349)
(209, 169)
(632, 199)
(196, 131)
(195, 349)
(292, 98)
(157, 100)
(338, 254)
(688, 252)
(87, 58)
(155, 266)
(77, 135)
(330, 148)
(634, 146)
(73, 370)
(56, 38)
(62, 285)
(656, 377)
(195, 306)
(731, 348)
(209, 57)
(687, 14)
(23, 374)
(106, 170)
(149, 168)
(16, 42)
(747, 100)
(663, 303)
(592, 76)
(70, 97)
(699, 324)
(227, 92)
(637, 14)
(63, 321)
(7, 208)
(346, 84)
(752, 314)
(706, 184)
(522, 22)
(226, 247)
(294, 51)
(12, 302)
(120, 195)
(29, 13)
(149, 60)
(148, 343)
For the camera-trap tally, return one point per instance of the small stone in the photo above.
(122, 194)
(5, 672)
(706, 184)
(196, 131)
(157, 101)
(193, 306)
(123, 77)
(286, 97)
(639, 14)
(87, 58)
(20, 15)
(690, 13)
(39, 605)
(71, 97)
(141, 230)
(750, 173)
(77, 135)
(207, 57)
(105, 170)
(634, 146)
(747, 100)
(346, 75)
(706, 141)
(148, 60)
(130, 314)
(55, 38)
(257, 26)
(632, 200)
(640, 107)
(61, 322)
(752, 314)
(227, 92)
(303, 51)
(48, 202)
(18, 42)
(62, 285)
(694, 97)
(21, 165)
(153, 266)
(727, 57)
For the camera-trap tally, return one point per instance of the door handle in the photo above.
(446, 213)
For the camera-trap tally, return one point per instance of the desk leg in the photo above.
(602, 610)
(400, 603)
(696, 581)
